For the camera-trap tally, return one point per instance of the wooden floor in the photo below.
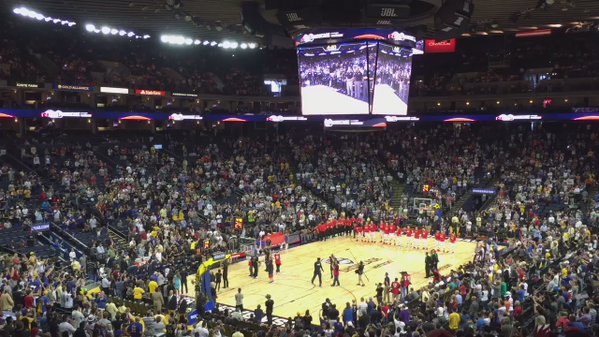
(292, 291)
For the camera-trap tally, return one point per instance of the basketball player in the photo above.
(373, 231)
(395, 289)
(392, 230)
(417, 233)
(360, 272)
(336, 274)
(425, 239)
(332, 262)
(277, 256)
(453, 241)
(358, 232)
(399, 237)
(270, 270)
(438, 241)
(317, 272)
(225, 265)
(442, 242)
(409, 237)
(364, 233)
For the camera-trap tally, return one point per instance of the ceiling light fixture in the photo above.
(28, 13)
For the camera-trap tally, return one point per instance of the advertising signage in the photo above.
(25, 85)
(113, 90)
(144, 92)
(74, 87)
(59, 114)
(438, 47)
(328, 121)
(41, 227)
(183, 94)
(487, 191)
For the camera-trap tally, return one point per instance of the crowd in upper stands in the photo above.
(493, 66)
(480, 66)
(181, 204)
(100, 234)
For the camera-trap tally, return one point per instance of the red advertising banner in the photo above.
(276, 239)
(434, 46)
(143, 92)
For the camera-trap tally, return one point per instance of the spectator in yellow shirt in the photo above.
(138, 293)
(454, 321)
(152, 286)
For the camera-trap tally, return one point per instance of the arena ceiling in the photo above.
(221, 19)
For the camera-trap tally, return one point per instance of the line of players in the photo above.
(389, 234)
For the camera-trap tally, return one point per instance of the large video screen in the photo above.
(355, 78)
(392, 80)
(334, 79)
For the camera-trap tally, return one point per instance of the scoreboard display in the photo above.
(362, 73)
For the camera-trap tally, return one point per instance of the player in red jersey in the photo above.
(437, 241)
(373, 232)
(332, 228)
(424, 239)
(392, 228)
(453, 239)
(417, 237)
(383, 227)
(358, 233)
(442, 241)
(367, 234)
(409, 237)
(399, 237)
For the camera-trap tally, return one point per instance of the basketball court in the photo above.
(292, 291)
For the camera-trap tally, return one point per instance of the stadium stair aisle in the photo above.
(119, 241)
(119, 238)
(399, 194)
(459, 204)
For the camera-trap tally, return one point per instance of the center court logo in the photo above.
(341, 260)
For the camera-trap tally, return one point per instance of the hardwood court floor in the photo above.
(292, 291)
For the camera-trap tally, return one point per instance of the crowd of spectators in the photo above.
(490, 65)
(499, 66)
(178, 205)
(347, 173)
(89, 60)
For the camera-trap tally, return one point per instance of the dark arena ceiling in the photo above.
(220, 19)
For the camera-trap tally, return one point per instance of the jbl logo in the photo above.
(293, 17)
(388, 12)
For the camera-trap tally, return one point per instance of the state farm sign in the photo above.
(150, 92)
(434, 46)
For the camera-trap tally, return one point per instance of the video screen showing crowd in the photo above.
(355, 78)
(334, 79)
(392, 70)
